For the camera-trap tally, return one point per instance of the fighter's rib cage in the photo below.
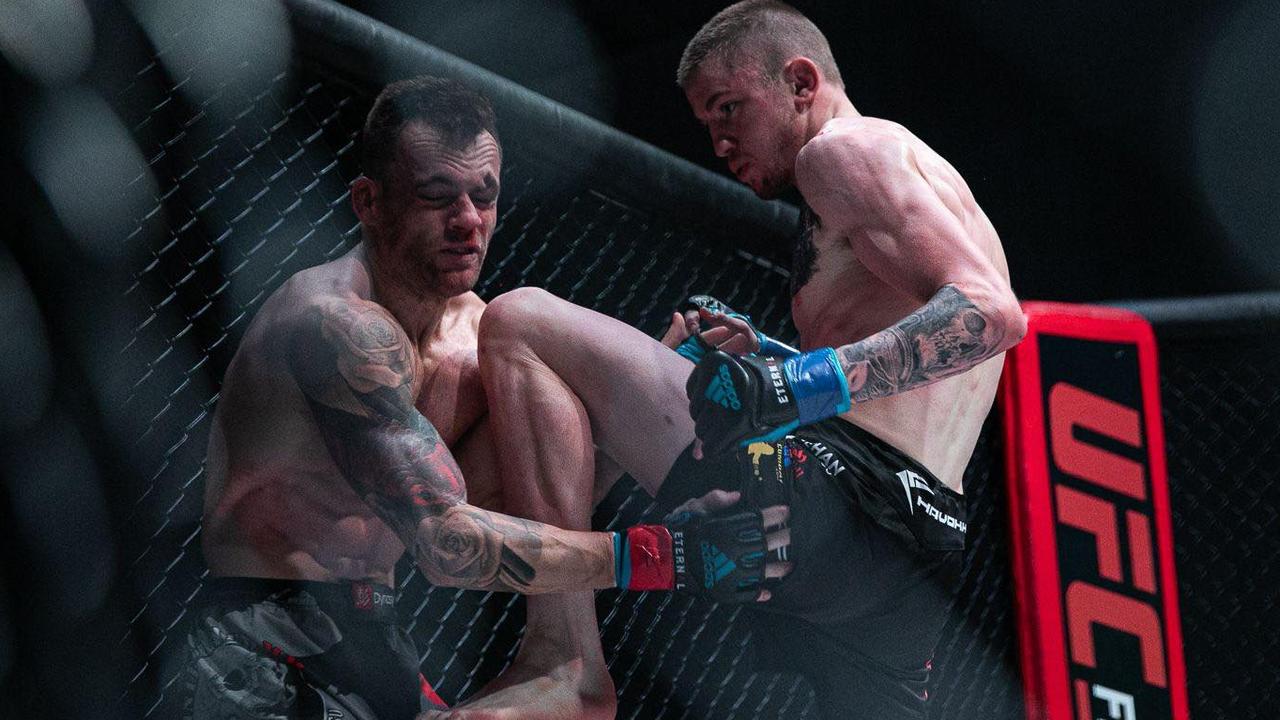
(252, 187)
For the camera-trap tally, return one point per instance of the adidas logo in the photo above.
(721, 391)
(715, 565)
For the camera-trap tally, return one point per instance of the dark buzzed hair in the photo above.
(766, 32)
(456, 111)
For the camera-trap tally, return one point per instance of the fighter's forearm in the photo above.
(403, 470)
(947, 335)
(355, 368)
(468, 547)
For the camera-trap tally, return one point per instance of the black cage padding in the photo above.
(247, 197)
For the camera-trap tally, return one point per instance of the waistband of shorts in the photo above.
(360, 600)
(850, 438)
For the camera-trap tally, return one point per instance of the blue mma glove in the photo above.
(738, 400)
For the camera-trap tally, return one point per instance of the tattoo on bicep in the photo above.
(946, 336)
(372, 357)
(357, 375)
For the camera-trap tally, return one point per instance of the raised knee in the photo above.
(513, 316)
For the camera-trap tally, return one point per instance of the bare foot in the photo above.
(523, 692)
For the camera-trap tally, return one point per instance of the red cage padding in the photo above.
(1089, 510)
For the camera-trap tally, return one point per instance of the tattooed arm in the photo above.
(356, 367)
(863, 182)
(946, 336)
(869, 184)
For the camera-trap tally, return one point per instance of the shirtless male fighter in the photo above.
(348, 420)
(901, 295)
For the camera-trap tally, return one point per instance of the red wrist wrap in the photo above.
(652, 565)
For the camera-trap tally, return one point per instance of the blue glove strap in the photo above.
(818, 385)
(769, 346)
(621, 560)
(691, 349)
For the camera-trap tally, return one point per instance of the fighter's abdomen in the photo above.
(305, 525)
(276, 504)
(938, 425)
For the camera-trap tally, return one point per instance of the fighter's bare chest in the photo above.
(804, 252)
(833, 294)
(451, 395)
(822, 257)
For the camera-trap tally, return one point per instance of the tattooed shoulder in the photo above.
(344, 346)
(355, 366)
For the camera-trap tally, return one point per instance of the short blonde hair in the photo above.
(766, 33)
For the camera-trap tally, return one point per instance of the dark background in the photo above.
(1122, 149)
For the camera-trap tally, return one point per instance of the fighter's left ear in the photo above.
(803, 79)
(365, 196)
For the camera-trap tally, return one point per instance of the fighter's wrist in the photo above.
(643, 558)
(818, 383)
(769, 346)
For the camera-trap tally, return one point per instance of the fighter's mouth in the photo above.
(464, 250)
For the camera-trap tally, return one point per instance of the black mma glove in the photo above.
(720, 556)
(744, 399)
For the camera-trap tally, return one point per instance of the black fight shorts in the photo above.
(877, 542)
(286, 649)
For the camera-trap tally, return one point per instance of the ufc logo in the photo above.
(1073, 414)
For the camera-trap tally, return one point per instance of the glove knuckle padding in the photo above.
(722, 392)
(723, 555)
(774, 473)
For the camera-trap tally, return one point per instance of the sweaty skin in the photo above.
(906, 277)
(897, 267)
(354, 408)
(359, 419)
(276, 503)
(900, 271)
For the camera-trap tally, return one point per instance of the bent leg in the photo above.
(546, 455)
(477, 457)
(630, 386)
(562, 380)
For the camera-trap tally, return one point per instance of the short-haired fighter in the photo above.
(351, 428)
(901, 295)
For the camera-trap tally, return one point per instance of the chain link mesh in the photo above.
(249, 196)
(243, 207)
(1222, 425)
